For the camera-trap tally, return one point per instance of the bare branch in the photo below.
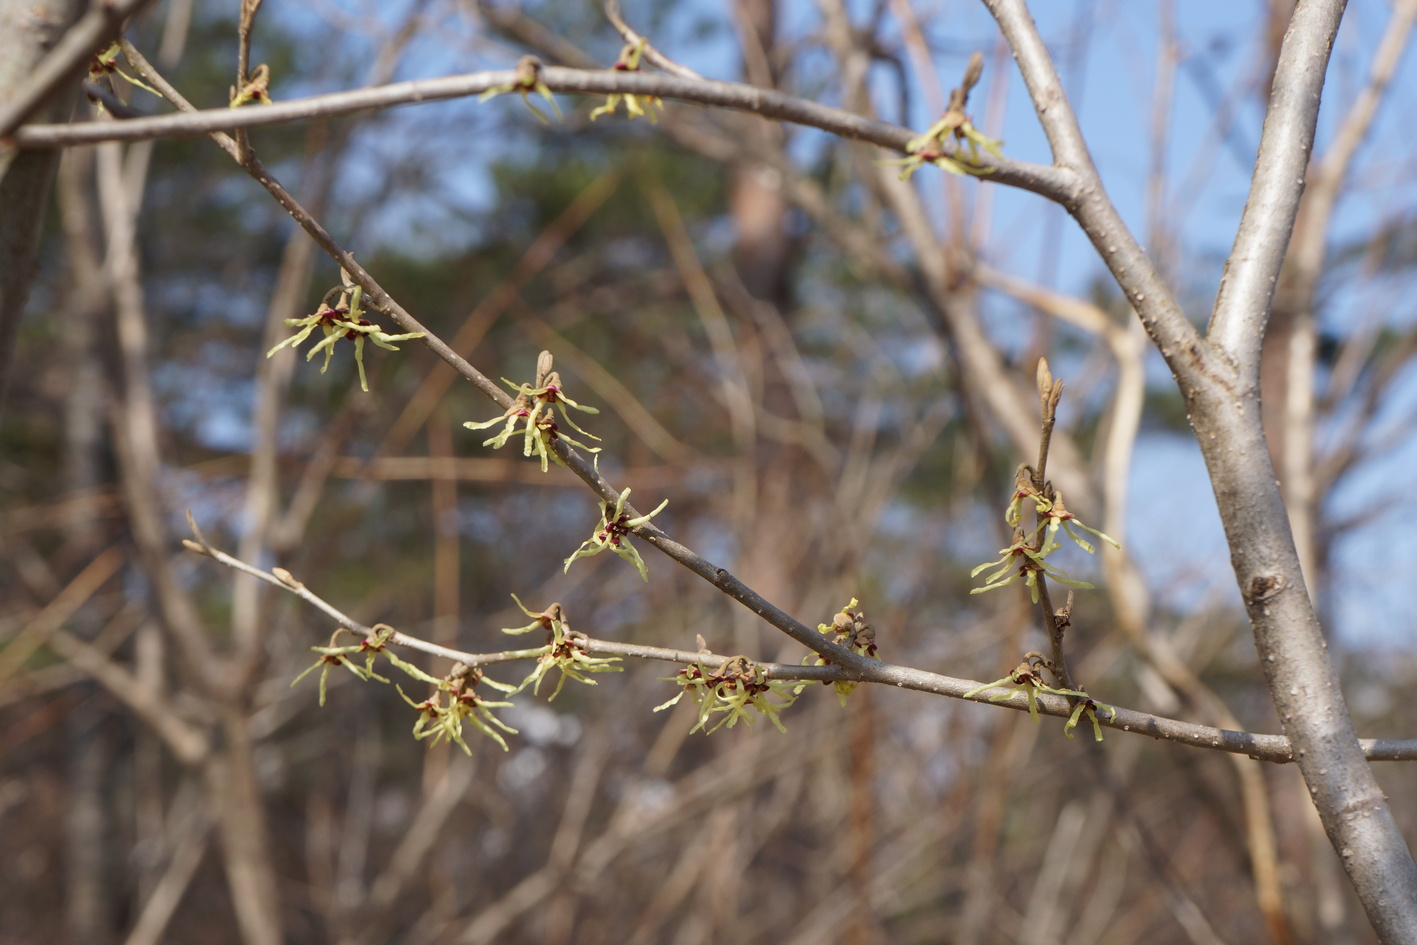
(187, 742)
(249, 9)
(1219, 378)
(1051, 182)
(1252, 269)
(1274, 748)
(27, 30)
(248, 81)
(1136, 274)
(157, 912)
(1225, 413)
(613, 14)
(1323, 189)
(135, 421)
(19, 647)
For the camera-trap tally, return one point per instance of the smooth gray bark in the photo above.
(1226, 416)
(1219, 377)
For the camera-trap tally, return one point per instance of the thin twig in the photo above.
(1273, 748)
(1055, 183)
(613, 14)
(1056, 622)
(249, 8)
(1049, 393)
(380, 300)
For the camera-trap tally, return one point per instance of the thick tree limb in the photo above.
(1220, 379)
(1129, 264)
(27, 31)
(1290, 641)
(1252, 269)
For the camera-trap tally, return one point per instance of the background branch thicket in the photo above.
(832, 375)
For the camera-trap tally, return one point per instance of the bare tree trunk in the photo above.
(1219, 375)
(28, 29)
(755, 199)
(234, 791)
(1229, 427)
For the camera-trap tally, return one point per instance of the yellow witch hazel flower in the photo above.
(955, 123)
(853, 631)
(629, 61)
(614, 533)
(528, 80)
(1025, 556)
(1088, 707)
(105, 64)
(456, 701)
(1027, 678)
(736, 687)
(1057, 514)
(929, 148)
(344, 320)
(1021, 560)
(256, 88)
(564, 652)
(531, 412)
(332, 656)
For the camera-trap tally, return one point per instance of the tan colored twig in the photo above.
(613, 14)
(1260, 747)
(1052, 182)
(34, 634)
(188, 742)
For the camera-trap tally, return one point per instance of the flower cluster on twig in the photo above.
(1025, 556)
(332, 656)
(564, 651)
(955, 123)
(105, 65)
(851, 630)
(732, 690)
(532, 413)
(613, 533)
(345, 319)
(629, 61)
(1027, 678)
(256, 88)
(438, 718)
(528, 80)
(455, 702)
